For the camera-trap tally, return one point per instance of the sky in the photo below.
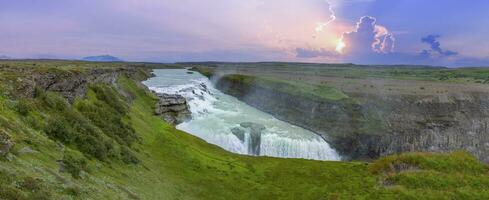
(427, 32)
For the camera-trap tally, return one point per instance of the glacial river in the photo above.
(225, 121)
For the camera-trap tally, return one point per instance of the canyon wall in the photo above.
(71, 83)
(372, 125)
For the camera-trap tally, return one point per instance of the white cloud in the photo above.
(368, 37)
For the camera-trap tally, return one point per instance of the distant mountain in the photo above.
(102, 58)
(4, 57)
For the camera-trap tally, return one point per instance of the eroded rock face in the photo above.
(172, 108)
(239, 133)
(437, 123)
(70, 84)
(5, 143)
(255, 136)
(381, 124)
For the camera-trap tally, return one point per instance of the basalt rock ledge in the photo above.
(172, 108)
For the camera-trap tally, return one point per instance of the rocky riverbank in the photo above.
(172, 108)
(5, 143)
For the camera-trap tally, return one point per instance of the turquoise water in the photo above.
(215, 114)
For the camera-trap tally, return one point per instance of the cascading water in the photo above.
(225, 121)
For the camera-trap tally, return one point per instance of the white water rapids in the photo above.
(215, 114)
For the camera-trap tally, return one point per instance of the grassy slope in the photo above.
(299, 88)
(176, 165)
(208, 172)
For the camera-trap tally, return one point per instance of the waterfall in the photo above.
(225, 121)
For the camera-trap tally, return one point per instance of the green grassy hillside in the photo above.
(111, 146)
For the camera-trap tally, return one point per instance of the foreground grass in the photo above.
(175, 165)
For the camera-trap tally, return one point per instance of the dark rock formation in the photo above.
(435, 123)
(4, 57)
(26, 150)
(380, 124)
(255, 136)
(70, 83)
(172, 108)
(239, 133)
(5, 144)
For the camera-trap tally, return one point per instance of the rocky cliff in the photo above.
(434, 123)
(5, 143)
(172, 108)
(366, 126)
(71, 83)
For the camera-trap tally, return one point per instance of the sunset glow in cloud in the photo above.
(340, 46)
(367, 36)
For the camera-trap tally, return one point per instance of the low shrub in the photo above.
(108, 120)
(128, 156)
(110, 96)
(74, 164)
(31, 184)
(23, 107)
(57, 128)
(41, 195)
(53, 101)
(8, 189)
(96, 125)
(73, 190)
(93, 146)
(11, 193)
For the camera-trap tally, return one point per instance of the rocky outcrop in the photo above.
(372, 125)
(70, 83)
(6, 143)
(172, 108)
(255, 131)
(435, 123)
(239, 133)
(255, 136)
